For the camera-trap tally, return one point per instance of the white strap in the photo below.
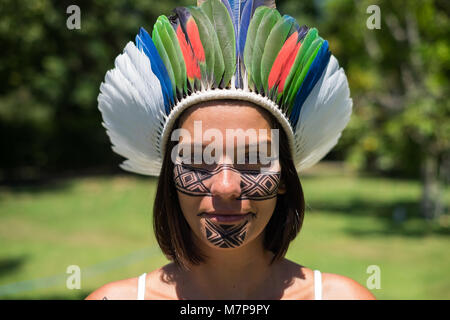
(141, 286)
(317, 285)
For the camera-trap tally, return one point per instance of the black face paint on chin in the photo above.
(255, 185)
(226, 235)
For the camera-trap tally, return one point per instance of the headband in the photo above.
(224, 49)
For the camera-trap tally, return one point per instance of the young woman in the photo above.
(226, 224)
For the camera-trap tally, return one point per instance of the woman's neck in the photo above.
(240, 273)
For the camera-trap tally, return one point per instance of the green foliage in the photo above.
(399, 80)
(50, 78)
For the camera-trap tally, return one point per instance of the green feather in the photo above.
(209, 42)
(306, 61)
(275, 42)
(266, 26)
(170, 49)
(177, 49)
(164, 56)
(259, 14)
(223, 25)
(306, 43)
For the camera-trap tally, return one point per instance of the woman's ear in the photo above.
(282, 187)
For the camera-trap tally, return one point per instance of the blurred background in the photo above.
(380, 198)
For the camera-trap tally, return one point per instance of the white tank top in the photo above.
(317, 286)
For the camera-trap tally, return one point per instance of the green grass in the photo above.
(96, 223)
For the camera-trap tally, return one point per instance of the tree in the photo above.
(399, 78)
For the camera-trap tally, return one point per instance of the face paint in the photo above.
(255, 185)
(226, 235)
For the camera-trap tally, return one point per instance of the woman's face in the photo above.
(227, 203)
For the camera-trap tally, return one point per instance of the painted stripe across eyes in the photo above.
(255, 185)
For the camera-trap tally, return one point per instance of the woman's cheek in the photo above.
(264, 210)
(189, 206)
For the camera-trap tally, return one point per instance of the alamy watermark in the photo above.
(74, 20)
(374, 20)
(251, 146)
(374, 280)
(73, 281)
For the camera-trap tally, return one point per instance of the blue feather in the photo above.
(236, 8)
(302, 31)
(315, 71)
(247, 14)
(230, 10)
(144, 42)
(141, 46)
(156, 59)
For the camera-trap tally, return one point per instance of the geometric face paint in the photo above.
(226, 235)
(255, 185)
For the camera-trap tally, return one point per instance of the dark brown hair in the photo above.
(173, 233)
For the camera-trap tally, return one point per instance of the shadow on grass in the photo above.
(10, 265)
(61, 183)
(399, 218)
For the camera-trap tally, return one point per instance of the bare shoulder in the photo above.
(337, 287)
(334, 286)
(118, 290)
(158, 285)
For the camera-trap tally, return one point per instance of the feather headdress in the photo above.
(224, 49)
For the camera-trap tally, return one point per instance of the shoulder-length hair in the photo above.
(174, 234)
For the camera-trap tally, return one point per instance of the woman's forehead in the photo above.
(225, 115)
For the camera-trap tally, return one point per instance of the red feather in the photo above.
(283, 63)
(194, 38)
(192, 67)
(288, 68)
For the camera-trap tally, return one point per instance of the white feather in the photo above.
(323, 116)
(132, 107)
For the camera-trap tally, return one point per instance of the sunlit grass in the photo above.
(351, 222)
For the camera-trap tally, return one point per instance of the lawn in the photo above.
(104, 226)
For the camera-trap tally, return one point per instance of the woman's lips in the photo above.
(226, 217)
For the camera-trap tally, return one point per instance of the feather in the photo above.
(284, 61)
(264, 29)
(241, 12)
(191, 46)
(274, 44)
(296, 69)
(245, 18)
(172, 37)
(314, 73)
(216, 66)
(170, 43)
(260, 12)
(222, 24)
(282, 65)
(302, 32)
(145, 43)
(132, 107)
(208, 41)
(165, 58)
(303, 69)
(324, 115)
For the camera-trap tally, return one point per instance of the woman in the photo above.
(226, 224)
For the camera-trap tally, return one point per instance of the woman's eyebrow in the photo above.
(248, 146)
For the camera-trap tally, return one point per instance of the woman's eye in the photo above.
(199, 166)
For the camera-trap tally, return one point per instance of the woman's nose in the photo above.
(226, 183)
